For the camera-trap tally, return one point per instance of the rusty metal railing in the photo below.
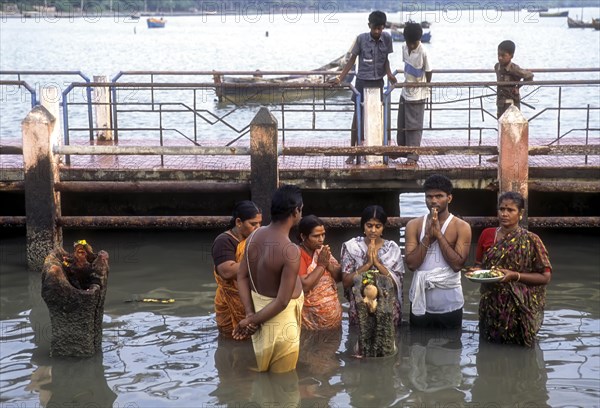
(187, 111)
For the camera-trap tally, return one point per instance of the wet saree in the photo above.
(513, 312)
(322, 309)
(229, 310)
(354, 255)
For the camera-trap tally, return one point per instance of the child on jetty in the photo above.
(411, 109)
(508, 71)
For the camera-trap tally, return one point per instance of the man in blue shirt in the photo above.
(373, 49)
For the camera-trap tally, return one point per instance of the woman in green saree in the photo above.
(511, 311)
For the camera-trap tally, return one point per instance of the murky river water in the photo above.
(170, 355)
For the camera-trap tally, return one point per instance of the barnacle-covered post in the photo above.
(264, 170)
(375, 319)
(74, 288)
(42, 200)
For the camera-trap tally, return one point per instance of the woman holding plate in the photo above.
(512, 310)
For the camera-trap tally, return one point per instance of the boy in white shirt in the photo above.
(411, 109)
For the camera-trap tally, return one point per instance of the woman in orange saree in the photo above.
(227, 251)
(319, 273)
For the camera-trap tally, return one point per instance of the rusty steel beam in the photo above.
(12, 186)
(475, 221)
(564, 222)
(152, 150)
(387, 150)
(150, 187)
(564, 150)
(397, 222)
(562, 186)
(12, 221)
(178, 222)
(211, 222)
(11, 150)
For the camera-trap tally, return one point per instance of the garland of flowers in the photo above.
(368, 277)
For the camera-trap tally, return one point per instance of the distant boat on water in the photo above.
(154, 22)
(537, 9)
(391, 24)
(554, 14)
(255, 88)
(579, 23)
(399, 37)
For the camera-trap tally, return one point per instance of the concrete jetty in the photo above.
(47, 185)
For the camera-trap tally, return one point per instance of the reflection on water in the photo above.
(515, 375)
(70, 382)
(170, 356)
(434, 363)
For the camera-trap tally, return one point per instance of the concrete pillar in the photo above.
(42, 201)
(50, 99)
(513, 158)
(373, 122)
(103, 110)
(264, 171)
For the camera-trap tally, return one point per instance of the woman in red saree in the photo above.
(319, 273)
(512, 310)
(227, 251)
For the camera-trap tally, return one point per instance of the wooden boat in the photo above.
(537, 9)
(399, 37)
(554, 14)
(255, 88)
(154, 22)
(579, 23)
(391, 24)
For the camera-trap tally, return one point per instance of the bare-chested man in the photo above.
(437, 247)
(270, 288)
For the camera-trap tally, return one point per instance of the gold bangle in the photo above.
(519, 277)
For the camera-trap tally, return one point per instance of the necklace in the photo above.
(235, 234)
(308, 251)
(503, 233)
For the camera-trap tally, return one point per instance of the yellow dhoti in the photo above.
(277, 342)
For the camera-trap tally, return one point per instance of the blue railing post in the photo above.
(65, 111)
(113, 102)
(358, 110)
(88, 94)
(387, 112)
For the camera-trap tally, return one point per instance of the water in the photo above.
(169, 356)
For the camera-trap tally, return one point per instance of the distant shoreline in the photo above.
(95, 14)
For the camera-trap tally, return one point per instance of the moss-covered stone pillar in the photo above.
(42, 201)
(75, 296)
(264, 172)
